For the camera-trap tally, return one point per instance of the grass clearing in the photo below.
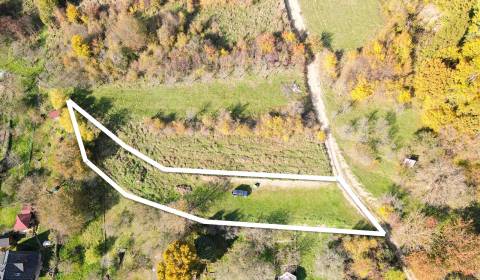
(346, 24)
(295, 205)
(239, 21)
(8, 215)
(377, 176)
(258, 94)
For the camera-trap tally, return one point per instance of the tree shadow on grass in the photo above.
(164, 117)
(280, 216)
(235, 215)
(439, 212)
(363, 225)
(472, 213)
(212, 247)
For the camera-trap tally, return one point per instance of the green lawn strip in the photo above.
(350, 23)
(8, 215)
(260, 94)
(296, 206)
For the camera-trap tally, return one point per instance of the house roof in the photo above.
(54, 114)
(22, 222)
(26, 209)
(23, 219)
(20, 265)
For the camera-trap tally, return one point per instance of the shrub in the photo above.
(362, 90)
(45, 10)
(72, 13)
(79, 48)
(179, 261)
(266, 43)
(394, 274)
(404, 97)
(58, 98)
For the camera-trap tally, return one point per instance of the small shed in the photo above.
(24, 220)
(410, 161)
(5, 243)
(54, 115)
(287, 276)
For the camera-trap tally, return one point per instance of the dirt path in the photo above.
(339, 165)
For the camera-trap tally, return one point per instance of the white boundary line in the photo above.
(72, 107)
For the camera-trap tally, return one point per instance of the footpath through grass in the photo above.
(256, 94)
(346, 24)
(295, 205)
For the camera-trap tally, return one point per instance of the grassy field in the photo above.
(295, 205)
(258, 94)
(298, 155)
(348, 23)
(7, 216)
(377, 175)
(196, 151)
(244, 21)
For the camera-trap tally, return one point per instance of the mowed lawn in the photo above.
(349, 23)
(7, 216)
(324, 205)
(256, 94)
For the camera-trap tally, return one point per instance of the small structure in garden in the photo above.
(287, 276)
(54, 115)
(410, 161)
(5, 243)
(24, 221)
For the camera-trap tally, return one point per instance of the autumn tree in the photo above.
(455, 249)
(362, 89)
(67, 210)
(266, 43)
(448, 87)
(45, 10)
(128, 32)
(179, 262)
(79, 47)
(72, 13)
(66, 160)
(58, 98)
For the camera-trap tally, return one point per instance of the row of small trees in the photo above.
(117, 43)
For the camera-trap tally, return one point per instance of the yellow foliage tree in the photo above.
(45, 9)
(404, 97)
(179, 261)
(72, 13)
(65, 121)
(266, 43)
(362, 90)
(58, 98)
(80, 48)
(330, 64)
(358, 249)
(289, 36)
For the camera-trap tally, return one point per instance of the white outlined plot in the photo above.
(72, 107)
